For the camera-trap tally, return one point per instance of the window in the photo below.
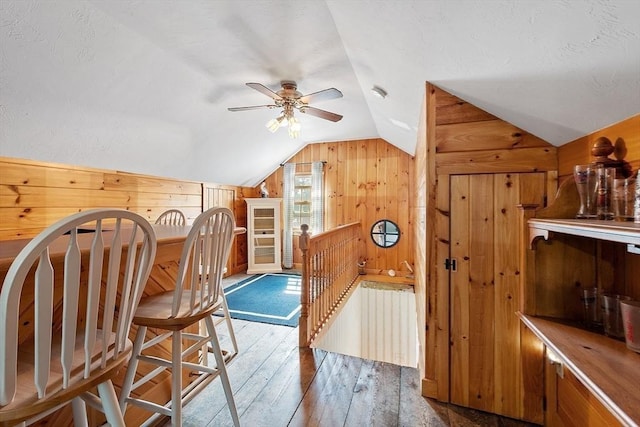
(302, 207)
(385, 233)
(303, 203)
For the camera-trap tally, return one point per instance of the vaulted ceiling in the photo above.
(144, 86)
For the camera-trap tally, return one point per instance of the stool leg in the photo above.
(79, 412)
(176, 379)
(131, 369)
(227, 316)
(224, 377)
(110, 404)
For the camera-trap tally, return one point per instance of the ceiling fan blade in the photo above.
(323, 95)
(253, 107)
(327, 115)
(265, 90)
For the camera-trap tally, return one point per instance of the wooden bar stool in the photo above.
(172, 217)
(64, 325)
(195, 298)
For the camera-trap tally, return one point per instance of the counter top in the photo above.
(164, 234)
(605, 366)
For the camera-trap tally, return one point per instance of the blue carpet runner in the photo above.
(267, 298)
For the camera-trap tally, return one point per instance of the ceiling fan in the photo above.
(288, 98)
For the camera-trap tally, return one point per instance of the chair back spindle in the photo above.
(171, 217)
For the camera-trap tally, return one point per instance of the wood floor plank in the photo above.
(376, 396)
(255, 344)
(465, 417)
(263, 377)
(331, 406)
(416, 410)
(278, 400)
(313, 396)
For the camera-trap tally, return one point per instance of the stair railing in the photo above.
(329, 269)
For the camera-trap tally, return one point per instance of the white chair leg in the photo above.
(110, 404)
(224, 377)
(176, 379)
(79, 412)
(131, 369)
(227, 317)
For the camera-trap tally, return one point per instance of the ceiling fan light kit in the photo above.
(288, 98)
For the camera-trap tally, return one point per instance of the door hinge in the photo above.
(450, 264)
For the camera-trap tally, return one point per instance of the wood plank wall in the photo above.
(365, 180)
(625, 135)
(422, 167)
(461, 139)
(34, 194)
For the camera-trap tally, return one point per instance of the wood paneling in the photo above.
(419, 214)
(533, 363)
(625, 135)
(497, 161)
(494, 166)
(365, 180)
(472, 136)
(451, 109)
(33, 195)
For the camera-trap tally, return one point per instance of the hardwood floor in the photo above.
(278, 384)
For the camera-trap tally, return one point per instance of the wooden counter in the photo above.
(605, 366)
(163, 276)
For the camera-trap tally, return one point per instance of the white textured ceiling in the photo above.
(144, 86)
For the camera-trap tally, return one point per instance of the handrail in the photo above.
(329, 269)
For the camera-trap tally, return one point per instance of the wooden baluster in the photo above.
(303, 338)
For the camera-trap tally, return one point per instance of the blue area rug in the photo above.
(267, 298)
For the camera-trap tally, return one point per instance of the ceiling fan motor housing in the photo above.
(289, 90)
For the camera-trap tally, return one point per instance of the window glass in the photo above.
(385, 233)
(301, 201)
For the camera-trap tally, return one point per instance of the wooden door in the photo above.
(223, 197)
(485, 369)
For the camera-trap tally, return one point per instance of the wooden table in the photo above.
(162, 278)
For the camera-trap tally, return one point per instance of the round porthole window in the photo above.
(385, 233)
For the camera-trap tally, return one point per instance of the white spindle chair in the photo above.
(171, 217)
(195, 297)
(91, 300)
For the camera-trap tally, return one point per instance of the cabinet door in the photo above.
(570, 404)
(264, 236)
(485, 363)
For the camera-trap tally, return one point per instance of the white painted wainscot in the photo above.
(377, 322)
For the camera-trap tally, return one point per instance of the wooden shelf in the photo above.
(622, 232)
(605, 366)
